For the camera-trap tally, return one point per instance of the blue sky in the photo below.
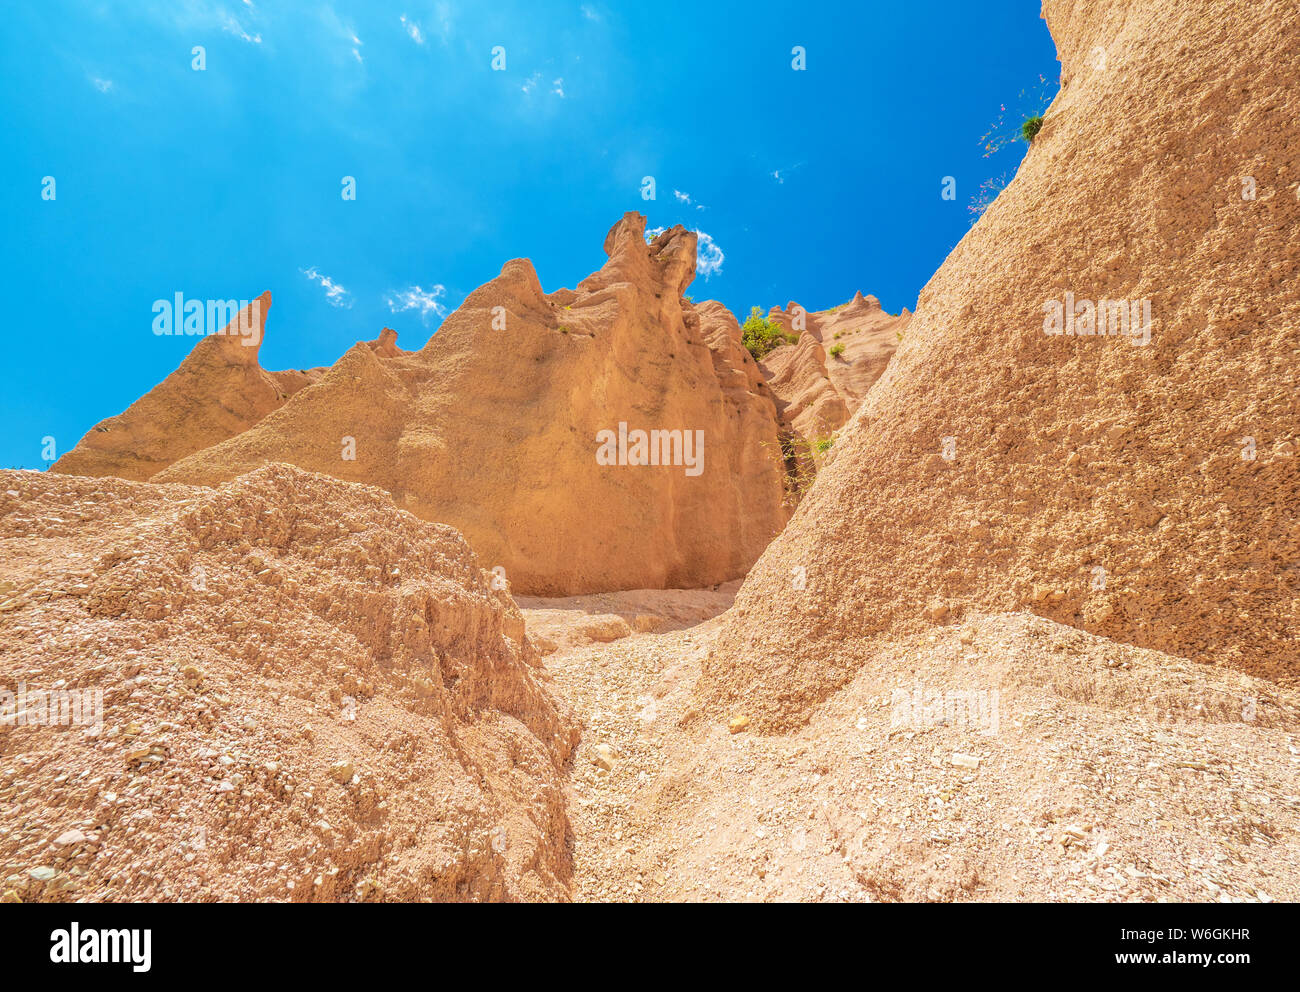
(225, 182)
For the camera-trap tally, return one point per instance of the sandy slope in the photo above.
(307, 694)
(1115, 773)
(350, 711)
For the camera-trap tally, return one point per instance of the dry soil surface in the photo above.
(1111, 772)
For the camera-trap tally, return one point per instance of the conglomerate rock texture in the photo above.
(304, 693)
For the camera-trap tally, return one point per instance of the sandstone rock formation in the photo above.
(386, 344)
(493, 427)
(811, 407)
(1030, 636)
(307, 694)
(1146, 492)
(218, 391)
(817, 392)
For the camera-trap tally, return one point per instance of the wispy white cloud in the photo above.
(688, 200)
(708, 256)
(195, 17)
(103, 85)
(231, 25)
(413, 29)
(532, 83)
(418, 298)
(590, 12)
(341, 29)
(783, 173)
(335, 294)
(442, 11)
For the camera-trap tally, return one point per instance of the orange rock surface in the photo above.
(494, 425)
(816, 391)
(305, 694)
(218, 391)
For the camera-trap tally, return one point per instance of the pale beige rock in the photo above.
(1116, 772)
(848, 808)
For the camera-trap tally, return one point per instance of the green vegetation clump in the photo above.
(801, 459)
(837, 350)
(1021, 118)
(760, 335)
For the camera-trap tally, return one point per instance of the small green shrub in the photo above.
(760, 335)
(837, 350)
(1020, 119)
(823, 445)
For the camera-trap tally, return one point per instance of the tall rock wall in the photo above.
(495, 425)
(1149, 491)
